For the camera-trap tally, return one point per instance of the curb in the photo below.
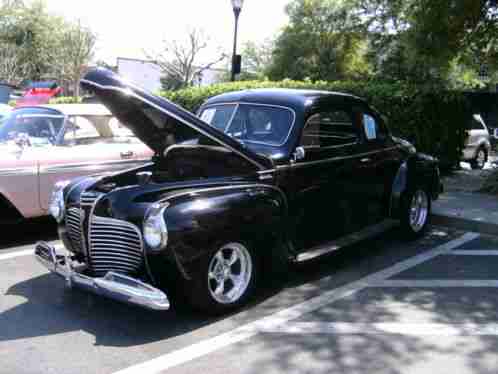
(465, 224)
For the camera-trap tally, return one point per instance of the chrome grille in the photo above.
(115, 245)
(73, 227)
(74, 219)
(88, 198)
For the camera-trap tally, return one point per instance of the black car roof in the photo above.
(279, 96)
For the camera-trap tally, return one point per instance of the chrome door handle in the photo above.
(127, 154)
(365, 160)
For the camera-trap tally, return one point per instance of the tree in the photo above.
(11, 68)
(74, 53)
(424, 39)
(256, 59)
(321, 41)
(179, 61)
(37, 45)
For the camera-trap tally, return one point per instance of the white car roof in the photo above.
(77, 109)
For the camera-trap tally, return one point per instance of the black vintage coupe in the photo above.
(259, 179)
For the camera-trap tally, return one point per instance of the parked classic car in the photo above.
(44, 144)
(259, 179)
(477, 144)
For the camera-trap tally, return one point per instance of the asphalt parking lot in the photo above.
(381, 306)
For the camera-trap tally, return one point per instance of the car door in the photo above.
(87, 146)
(376, 168)
(322, 200)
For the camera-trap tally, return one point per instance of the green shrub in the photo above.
(66, 100)
(434, 119)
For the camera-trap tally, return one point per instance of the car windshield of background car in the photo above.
(251, 123)
(34, 127)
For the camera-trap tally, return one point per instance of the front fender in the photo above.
(199, 222)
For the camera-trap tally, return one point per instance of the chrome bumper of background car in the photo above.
(112, 285)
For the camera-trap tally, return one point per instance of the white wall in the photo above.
(147, 74)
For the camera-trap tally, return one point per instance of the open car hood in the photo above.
(158, 122)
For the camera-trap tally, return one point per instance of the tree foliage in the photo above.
(321, 41)
(441, 42)
(37, 45)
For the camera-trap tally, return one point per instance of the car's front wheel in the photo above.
(225, 279)
(416, 210)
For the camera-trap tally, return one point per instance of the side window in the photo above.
(80, 129)
(329, 129)
(372, 127)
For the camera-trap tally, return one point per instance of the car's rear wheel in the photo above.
(480, 159)
(415, 214)
(225, 279)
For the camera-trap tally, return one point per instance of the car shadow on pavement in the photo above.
(49, 309)
(27, 232)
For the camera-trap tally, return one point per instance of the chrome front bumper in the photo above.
(113, 285)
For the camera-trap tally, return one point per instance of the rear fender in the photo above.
(419, 170)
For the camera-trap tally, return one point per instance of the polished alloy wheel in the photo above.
(229, 273)
(419, 210)
(481, 158)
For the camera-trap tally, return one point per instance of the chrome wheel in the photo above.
(419, 210)
(481, 158)
(229, 273)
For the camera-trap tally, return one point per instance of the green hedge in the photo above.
(66, 100)
(432, 118)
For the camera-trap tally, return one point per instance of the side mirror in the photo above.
(495, 133)
(298, 154)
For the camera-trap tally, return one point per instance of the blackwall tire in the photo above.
(225, 279)
(415, 212)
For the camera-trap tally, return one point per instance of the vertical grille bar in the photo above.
(115, 245)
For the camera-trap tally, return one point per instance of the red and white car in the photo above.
(42, 145)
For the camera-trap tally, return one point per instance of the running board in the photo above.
(337, 244)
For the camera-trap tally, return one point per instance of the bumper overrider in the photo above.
(113, 285)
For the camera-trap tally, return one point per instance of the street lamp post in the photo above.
(237, 8)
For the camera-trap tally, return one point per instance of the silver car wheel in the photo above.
(419, 210)
(481, 158)
(229, 273)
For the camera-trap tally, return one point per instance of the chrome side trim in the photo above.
(325, 160)
(129, 93)
(113, 285)
(90, 166)
(18, 171)
(346, 240)
(238, 103)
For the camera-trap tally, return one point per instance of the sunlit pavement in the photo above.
(382, 306)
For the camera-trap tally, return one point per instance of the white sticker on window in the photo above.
(370, 128)
(208, 115)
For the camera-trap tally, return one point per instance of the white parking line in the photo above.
(207, 346)
(476, 252)
(7, 256)
(413, 329)
(436, 283)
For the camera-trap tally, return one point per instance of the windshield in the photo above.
(251, 123)
(31, 126)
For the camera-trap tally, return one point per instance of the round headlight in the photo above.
(155, 230)
(56, 205)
